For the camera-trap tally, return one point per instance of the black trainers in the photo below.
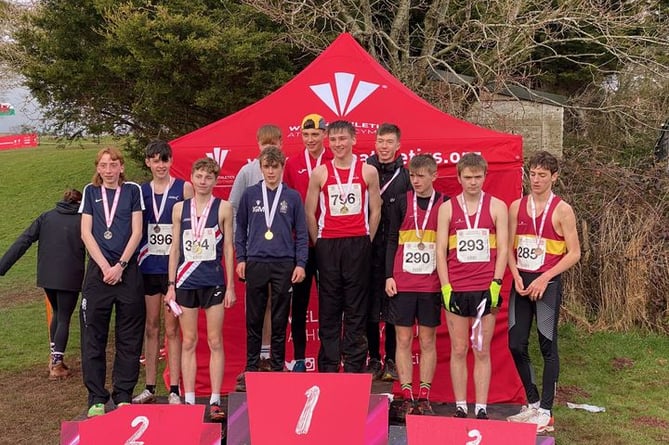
(424, 408)
(408, 407)
(375, 368)
(459, 412)
(482, 415)
(389, 371)
(241, 383)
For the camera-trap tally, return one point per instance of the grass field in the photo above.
(626, 373)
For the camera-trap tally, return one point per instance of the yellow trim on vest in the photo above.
(409, 236)
(553, 247)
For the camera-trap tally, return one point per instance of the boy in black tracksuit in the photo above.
(271, 242)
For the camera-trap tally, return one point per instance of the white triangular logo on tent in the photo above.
(218, 155)
(344, 102)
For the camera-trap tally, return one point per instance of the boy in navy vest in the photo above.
(201, 239)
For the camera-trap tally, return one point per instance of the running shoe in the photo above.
(482, 415)
(389, 371)
(525, 413)
(460, 413)
(407, 407)
(58, 371)
(216, 413)
(543, 421)
(424, 408)
(241, 383)
(299, 366)
(264, 365)
(144, 397)
(174, 399)
(375, 368)
(96, 410)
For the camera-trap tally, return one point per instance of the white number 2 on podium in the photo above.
(144, 425)
(476, 435)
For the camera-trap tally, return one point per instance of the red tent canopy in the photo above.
(345, 82)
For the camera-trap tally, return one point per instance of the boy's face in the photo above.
(471, 180)
(386, 147)
(109, 170)
(203, 181)
(422, 181)
(341, 142)
(271, 173)
(159, 169)
(541, 179)
(313, 139)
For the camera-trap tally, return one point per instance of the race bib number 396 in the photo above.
(159, 238)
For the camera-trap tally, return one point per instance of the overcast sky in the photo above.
(27, 111)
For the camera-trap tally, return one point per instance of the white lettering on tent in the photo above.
(344, 102)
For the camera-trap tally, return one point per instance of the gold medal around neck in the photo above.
(421, 246)
(343, 210)
(197, 248)
(538, 251)
(107, 234)
(269, 235)
(156, 228)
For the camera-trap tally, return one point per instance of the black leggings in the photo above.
(62, 303)
(522, 312)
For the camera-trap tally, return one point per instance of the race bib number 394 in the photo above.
(203, 249)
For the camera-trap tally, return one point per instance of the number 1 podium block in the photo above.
(308, 408)
(144, 424)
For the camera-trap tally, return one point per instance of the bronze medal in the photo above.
(538, 251)
(156, 228)
(421, 246)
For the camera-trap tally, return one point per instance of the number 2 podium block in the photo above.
(143, 424)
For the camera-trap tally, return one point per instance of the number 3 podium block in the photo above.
(144, 424)
(432, 430)
(312, 408)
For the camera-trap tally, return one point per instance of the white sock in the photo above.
(545, 411)
(189, 398)
(481, 406)
(215, 398)
(462, 404)
(264, 351)
(534, 405)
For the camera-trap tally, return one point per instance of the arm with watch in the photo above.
(114, 274)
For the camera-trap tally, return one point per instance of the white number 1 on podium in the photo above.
(304, 422)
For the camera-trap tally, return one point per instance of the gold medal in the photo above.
(156, 228)
(343, 210)
(269, 235)
(107, 234)
(537, 251)
(197, 248)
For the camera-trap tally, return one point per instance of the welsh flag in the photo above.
(7, 109)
